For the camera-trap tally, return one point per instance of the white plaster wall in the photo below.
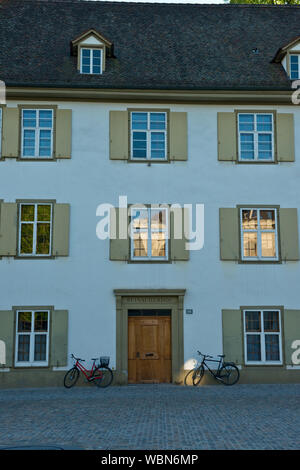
(83, 283)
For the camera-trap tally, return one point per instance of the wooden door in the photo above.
(149, 349)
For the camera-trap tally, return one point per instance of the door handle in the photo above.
(149, 354)
(137, 354)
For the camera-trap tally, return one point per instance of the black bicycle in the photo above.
(227, 372)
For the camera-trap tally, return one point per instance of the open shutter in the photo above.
(61, 228)
(232, 327)
(59, 338)
(227, 137)
(178, 136)
(229, 234)
(118, 135)
(8, 228)
(7, 332)
(289, 240)
(179, 219)
(285, 137)
(291, 334)
(10, 132)
(119, 240)
(63, 133)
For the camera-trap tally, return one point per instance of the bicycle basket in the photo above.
(104, 361)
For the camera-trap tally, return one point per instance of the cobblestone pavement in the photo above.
(153, 417)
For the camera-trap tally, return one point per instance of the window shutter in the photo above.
(289, 240)
(291, 333)
(7, 334)
(118, 135)
(232, 327)
(229, 234)
(8, 228)
(227, 137)
(63, 133)
(119, 247)
(178, 136)
(178, 251)
(61, 228)
(10, 132)
(59, 338)
(285, 137)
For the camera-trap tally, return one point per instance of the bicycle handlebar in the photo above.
(77, 358)
(204, 355)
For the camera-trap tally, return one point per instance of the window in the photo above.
(37, 133)
(91, 61)
(294, 67)
(148, 136)
(32, 338)
(0, 131)
(262, 337)
(35, 227)
(149, 234)
(259, 239)
(256, 137)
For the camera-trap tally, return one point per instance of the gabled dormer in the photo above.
(289, 57)
(92, 50)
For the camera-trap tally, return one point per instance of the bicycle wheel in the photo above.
(102, 377)
(71, 377)
(229, 374)
(194, 376)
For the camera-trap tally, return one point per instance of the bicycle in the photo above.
(227, 372)
(101, 375)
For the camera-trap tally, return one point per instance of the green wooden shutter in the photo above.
(61, 228)
(178, 218)
(10, 132)
(59, 338)
(178, 136)
(227, 137)
(291, 332)
(7, 333)
(232, 326)
(285, 137)
(119, 240)
(119, 135)
(229, 234)
(289, 240)
(8, 229)
(63, 133)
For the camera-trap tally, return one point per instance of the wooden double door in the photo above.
(149, 346)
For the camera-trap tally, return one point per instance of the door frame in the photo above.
(127, 299)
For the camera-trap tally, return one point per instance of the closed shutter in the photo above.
(7, 333)
(119, 240)
(289, 240)
(118, 135)
(285, 137)
(61, 228)
(59, 338)
(63, 133)
(8, 228)
(227, 137)
(232, 336)
(229, 234)
(291, 331)
(179, 219)
(178, 136)
(10, 132)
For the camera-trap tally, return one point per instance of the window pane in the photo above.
(158, 219)
(268, 245)
(45, 144)
(26, 239)
(272, 347)
(267, 219)
(139, 121)
(43, 239)
(247, 146)
(96, 69)
(249, 219)
(252, 320)
(29, 143)
(139, 145)
(29, 118)
(271, 321)
(41, 321)
(86, 52)
(264, 122)
(265, 146)
(157, 121)
(139, 219)
(23, 348)
(85, 69)
(40, 342)
(27, 213)
(250, 244)
(45, 118)
(140, 241)
(96, 53)
(44, 213)
(246, 122)
(157, 145)
(253, 348)
(158, 244)
(24, 321)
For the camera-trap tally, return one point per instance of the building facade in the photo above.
(109, 125)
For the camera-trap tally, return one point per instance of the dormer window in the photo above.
(92, 49)
(289, 57)
(294, 66)
(91, 61)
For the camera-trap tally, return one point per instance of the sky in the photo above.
(168, 1)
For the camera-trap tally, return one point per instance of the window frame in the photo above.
(91, 49)
(289, 63)
(255, 136)
(37, 129)
(35, 222)
(1, 130)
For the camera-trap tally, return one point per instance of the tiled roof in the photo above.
(156, 46)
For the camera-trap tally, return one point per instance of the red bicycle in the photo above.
(101, 375)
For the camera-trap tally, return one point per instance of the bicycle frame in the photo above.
(220, 362)
(85, 371)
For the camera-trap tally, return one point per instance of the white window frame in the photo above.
(290, 63)
(149, 232)
(34, 223)
(259, 257)
(262, 334)
(37, 129)
(255, 137)
(91, 49)
(148, 133)
(32, 334)
(1, 120)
